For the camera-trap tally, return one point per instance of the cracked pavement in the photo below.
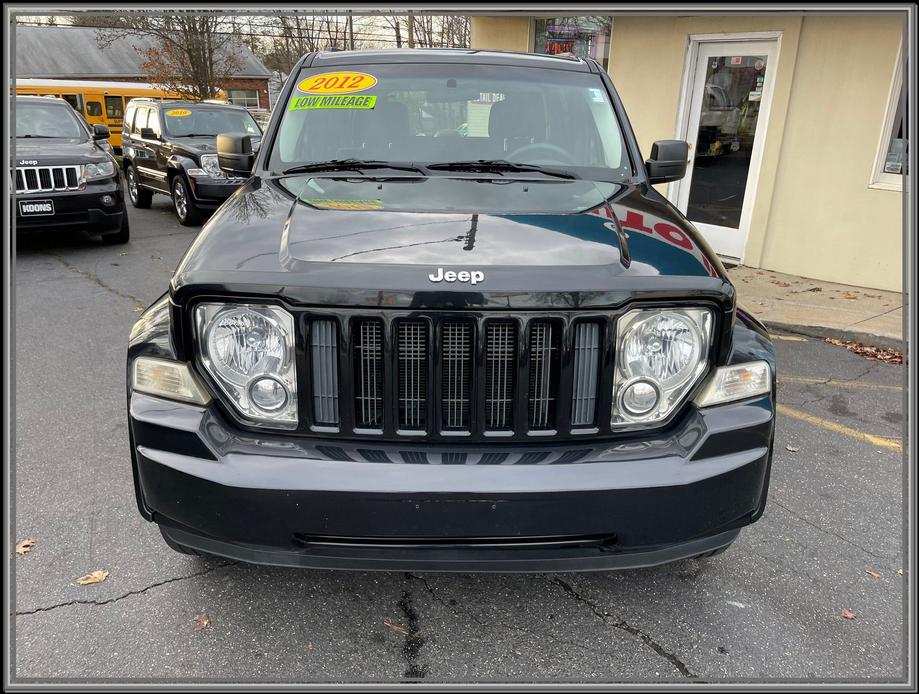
(769, 608)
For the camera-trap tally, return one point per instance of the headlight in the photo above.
(660, 354)
(249, 351)
(99, 169)
(211, 167)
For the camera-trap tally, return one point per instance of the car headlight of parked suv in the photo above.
(248, 350)
(99, 169)
(211, 167)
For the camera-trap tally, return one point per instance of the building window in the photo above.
(891, 163)
(243, 97)
(585, 37)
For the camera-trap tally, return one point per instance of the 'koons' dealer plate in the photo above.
(36, 208)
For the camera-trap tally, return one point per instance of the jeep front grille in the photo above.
(324, 348)
(448, 374)
(47, 179)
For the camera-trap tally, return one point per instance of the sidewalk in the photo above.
(822, 309)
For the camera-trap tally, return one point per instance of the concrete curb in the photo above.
(819, 331)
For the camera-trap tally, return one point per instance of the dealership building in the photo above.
(796, 126)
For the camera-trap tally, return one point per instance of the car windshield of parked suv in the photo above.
(183, 121)
(431, 114)
(50, 120)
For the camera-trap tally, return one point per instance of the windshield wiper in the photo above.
(500, 166)
(197, 135)
(350, 165)
(45, 137)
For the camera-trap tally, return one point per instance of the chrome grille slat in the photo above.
(584, 382)
(456, 354)
(541, 400)
(413, 364)
(500, 352)
(368, 390)
(324, 352)
(47, 179)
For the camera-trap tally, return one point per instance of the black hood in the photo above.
(376, 241)
(41, 151)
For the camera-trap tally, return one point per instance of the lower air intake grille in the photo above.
(412, 340)
(324, 349)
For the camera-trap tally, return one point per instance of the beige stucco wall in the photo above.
(501, 33)
(813, 213)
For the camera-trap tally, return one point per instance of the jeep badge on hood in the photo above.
(473, 277)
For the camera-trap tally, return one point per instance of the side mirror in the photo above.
(148, 134)
(100, 132)
(668, 161)
(234, 154)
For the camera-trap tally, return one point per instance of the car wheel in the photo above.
(180, 548)
(123, 235)
(140, 197)
(186, 210)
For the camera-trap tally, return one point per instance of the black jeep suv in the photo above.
(448, 324)
(169, 147)
(65, 174)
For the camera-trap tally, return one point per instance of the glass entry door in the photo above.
(728, 96)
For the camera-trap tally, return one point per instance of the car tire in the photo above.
(123, 235)
(139, 196)
(178, 547)
(186, 210)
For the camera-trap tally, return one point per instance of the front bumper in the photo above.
(285, 500)
(80, 209)
(209, 193)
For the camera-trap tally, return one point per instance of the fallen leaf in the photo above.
(779, 283)
(309, 647)
(814, 289)
(202, 621)
(24, 546)
(125, 253)
(847, 613)
(395, 626)
(888, 356)
(873, 574)
(138, 309)
(93, 577)
(899, 572)
(793, 449)
(851, 296)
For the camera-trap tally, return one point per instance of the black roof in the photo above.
(450, 55)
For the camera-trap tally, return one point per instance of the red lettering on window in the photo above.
(633, 220)
(674, 235)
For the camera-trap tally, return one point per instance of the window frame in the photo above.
(247, 99)
(896, 98)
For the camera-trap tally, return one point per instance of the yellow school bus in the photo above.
(98, 102)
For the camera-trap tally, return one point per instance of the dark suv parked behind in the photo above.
(65, 175)
(170, 147)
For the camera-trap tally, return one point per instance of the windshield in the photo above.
(51, 120)
(441, 113)
(182, 121)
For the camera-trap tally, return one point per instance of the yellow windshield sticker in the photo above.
(300, 103)
(337, 83)
(333, 204)
(178, 112)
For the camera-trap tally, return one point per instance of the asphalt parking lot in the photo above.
(771, 607)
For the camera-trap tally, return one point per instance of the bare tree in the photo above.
(193, 53)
